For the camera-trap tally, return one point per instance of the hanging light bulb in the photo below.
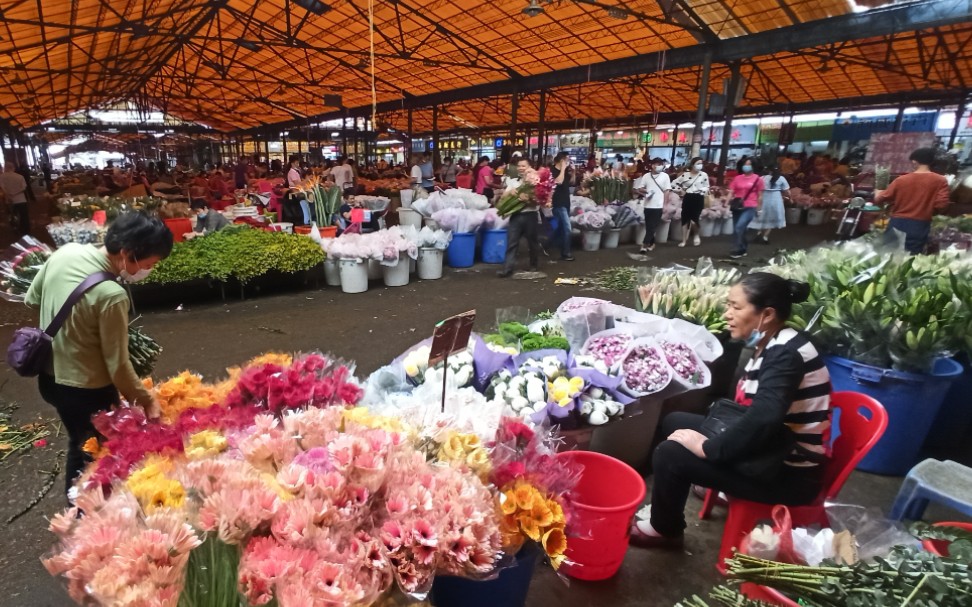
(533, 9)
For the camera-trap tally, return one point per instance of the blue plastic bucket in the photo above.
(462, 250)
(912, 401)
(509, 589)
(494, 246)
(954, 419)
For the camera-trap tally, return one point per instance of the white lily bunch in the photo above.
(586, 361)
(416, 363)
(550, 366)
(597, 407)
(523, 393)
(460, 370)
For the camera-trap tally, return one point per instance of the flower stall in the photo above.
(18, 268)
(889, 325)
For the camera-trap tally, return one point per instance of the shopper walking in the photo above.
(692, 185)
(913, 199)
(746, 189)
(563, 174)
(90, 364)
(343, 174)
(428, 174)
(524, 224)
(652, 188)
(771, 215)
(447, 172)
(775, 453)
(14, 188)
(483, 178)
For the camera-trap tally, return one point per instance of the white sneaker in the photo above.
(697, 241)
(681, 244)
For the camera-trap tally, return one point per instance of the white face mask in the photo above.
(697, 166)
(138, 276)
(657, 168)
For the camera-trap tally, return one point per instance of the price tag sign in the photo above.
(360, 216)
(450, 336)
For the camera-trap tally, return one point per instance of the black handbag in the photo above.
(736, 204)
(31, 349)
(765, 464)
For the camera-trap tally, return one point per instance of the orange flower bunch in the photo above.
(185, 391)
(529, 514)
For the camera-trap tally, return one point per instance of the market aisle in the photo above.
(371, 329)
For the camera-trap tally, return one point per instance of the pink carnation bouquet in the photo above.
(535, 188)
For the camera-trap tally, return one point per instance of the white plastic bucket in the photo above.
(591, 240)
(374, 269)
(430, 263)
(412, 265)
(627, 234)
(706, 227)
(816, 217)
(661, 234)
(397, 275)
(727, 226)
(793, 215)
(675, 230)
(406, 198)
(611, 238)
(409, 217)
(332, 273)
(354, 275)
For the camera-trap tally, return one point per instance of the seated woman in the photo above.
(207, 220)
(344, 219)
(783, 434)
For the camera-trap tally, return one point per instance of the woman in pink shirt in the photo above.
(484, 178)
(748, 186)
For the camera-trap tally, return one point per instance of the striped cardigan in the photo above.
(786, 383)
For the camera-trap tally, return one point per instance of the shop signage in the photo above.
(575, 140)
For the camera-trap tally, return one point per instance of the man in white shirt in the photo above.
(416, 171)
(14, 188)
(343, 175)
(652, 188)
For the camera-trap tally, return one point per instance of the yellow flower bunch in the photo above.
(152, 488)
(204, 444)
(184, 391)
(530, 514)
(563, 390)
(465, 449)
(363, 417)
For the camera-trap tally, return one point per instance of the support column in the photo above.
(511, 140)
(703, 101)
(408, 145)
(283, 139)
(542, 131)
(958, 120)
(730, 111)
(354, 140)
(674, 143)
(899, 119)
(436, 155)
(344, 134)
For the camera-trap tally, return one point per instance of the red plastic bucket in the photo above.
(606, 498)
(940, 547)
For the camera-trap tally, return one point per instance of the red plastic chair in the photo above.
(862, 422)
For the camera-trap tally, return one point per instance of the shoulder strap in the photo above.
(752, 187)
(74, 297)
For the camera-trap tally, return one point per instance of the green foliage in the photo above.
(518, 335)
(211, 576)
(237, 252)
(610, 189)
(143, 351)
(962, 224)
(532, 342)
(621, 278)
(85, 207)
(886, 310)
(907, 576)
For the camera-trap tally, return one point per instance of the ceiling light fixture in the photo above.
(533, 9)
(313, 6)
(616, 13)
(248, 44)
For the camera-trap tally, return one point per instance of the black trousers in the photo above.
(19, 218)
(676, 469)
(76, 406)
(522, 224)
(652, 220)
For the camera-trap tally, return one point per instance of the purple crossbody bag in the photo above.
(31, 348)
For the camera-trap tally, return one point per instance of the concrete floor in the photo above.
(208, 335)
